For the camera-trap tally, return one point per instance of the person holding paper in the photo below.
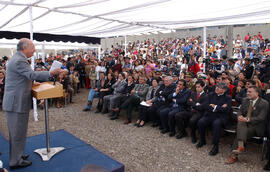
(150, 99)
(17, 99)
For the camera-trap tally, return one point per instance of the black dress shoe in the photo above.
(200, 144)
(160, 127)
(114, 117)
(181, 135)
(172, 134)
(267, 166)
(214, 151)
(193, 140)
(23, 164)
(154, 124)
(105, 111)
(164, 131)
(25, 157)
(86, 109)
(97, 111)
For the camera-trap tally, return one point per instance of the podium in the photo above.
(44, 91)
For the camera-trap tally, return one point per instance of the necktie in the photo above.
(249, 109)
(198, 96)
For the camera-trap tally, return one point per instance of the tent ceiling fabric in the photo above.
(106, 18)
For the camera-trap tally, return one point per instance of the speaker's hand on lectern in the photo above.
(58, 71)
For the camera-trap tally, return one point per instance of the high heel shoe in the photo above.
(140, 124)
(137, 123)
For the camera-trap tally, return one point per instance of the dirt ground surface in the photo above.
(140, 149)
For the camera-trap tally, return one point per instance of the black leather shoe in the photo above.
(214, 151)
(172, 134)
(193, 139)
(105, 111)
(200, 144)
(86, 109)
(181, 135)
(164, 131)
(23, 164)
(160, 127)
(154, 124)
(112, 114)
(114, 117)
(267, 166)
(25, 157)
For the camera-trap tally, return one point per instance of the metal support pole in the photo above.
(47, 153)
(99, 53)
(47, 125)
(125, 45)
(33, 62)
(204, 48)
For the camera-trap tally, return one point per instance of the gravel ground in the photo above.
(140, 149)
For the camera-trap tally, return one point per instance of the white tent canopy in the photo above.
(12, 43)
(105, 18)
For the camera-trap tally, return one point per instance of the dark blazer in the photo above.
(181, 98)
(194, 101)
(163, 93)
(219, 112)
(258, 117)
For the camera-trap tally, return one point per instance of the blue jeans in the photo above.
(92, 94)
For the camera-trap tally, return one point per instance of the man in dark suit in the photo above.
(17, 99)
(178, 102)
(252, 119)
(217, 107)
(162, 94)
(193, 114)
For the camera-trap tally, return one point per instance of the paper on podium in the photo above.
(143, 103)
(56, 65)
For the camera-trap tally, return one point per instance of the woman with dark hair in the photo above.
(150, 99)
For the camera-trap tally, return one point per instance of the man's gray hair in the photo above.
(222, 85)
(22, 44)
(169, 78)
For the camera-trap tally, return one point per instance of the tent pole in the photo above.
(43, 52)
(204, 47)
(33, 62)
(125, 45)
(99, 51)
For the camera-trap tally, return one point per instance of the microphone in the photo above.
(43, 64)
(53, 77)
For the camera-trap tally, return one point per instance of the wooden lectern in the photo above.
(44, 91)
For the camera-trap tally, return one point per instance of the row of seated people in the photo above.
(172, 107)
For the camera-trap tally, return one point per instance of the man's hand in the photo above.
(177, 90)
(132, 91)
(36, 83)
(242, 119)
(212, 105)
(58, 71)
(149, 101)
(225, 105)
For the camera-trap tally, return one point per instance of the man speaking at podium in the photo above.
(17, 99)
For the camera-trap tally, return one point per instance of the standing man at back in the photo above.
(17, 99)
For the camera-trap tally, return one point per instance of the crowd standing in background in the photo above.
(173, 87)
